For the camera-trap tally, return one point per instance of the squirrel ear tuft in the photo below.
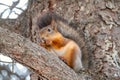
(54, 25)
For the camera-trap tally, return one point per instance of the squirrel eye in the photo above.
(49, 30)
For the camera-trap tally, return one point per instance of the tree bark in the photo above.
(34, 57)
(98, 19)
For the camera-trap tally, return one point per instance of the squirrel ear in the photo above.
(54, 25)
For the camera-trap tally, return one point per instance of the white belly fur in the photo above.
(77, 62)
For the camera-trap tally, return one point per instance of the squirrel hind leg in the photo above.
(78, 63)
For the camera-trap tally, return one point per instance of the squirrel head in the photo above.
(49, 33)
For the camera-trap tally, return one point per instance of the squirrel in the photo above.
(66, 49)
(67, 30)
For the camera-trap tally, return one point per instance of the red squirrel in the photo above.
(66, 49)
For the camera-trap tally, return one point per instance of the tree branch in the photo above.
(34, 57)
(11, 6)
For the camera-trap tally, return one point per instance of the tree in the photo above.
(98, 20)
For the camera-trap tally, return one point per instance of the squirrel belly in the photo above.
(71, 54)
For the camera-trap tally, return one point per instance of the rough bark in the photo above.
(98, 19)
(34, 57)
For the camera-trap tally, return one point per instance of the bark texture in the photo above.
(34, 57)
(99, 21)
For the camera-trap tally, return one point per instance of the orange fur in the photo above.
(69, 56)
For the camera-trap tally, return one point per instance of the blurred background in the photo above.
(9, 69)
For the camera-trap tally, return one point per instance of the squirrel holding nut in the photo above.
(66, 49)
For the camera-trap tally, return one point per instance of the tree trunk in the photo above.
(99, 22)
